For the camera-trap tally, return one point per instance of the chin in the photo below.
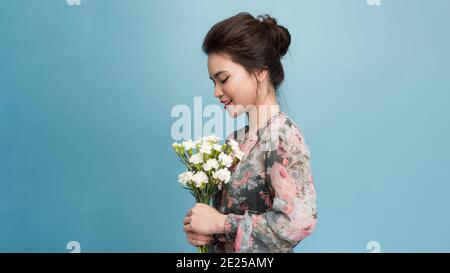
(233, 113)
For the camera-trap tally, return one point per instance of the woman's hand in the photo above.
(204, 220)
(198, 239)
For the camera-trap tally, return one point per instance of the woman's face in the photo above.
(234, 86)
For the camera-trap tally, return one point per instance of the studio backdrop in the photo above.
(89, 92)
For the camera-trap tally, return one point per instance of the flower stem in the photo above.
(202, 249)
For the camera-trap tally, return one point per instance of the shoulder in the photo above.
(285, 134)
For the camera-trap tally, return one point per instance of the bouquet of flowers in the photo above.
(208, 165)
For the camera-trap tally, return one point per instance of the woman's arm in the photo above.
(293, 213)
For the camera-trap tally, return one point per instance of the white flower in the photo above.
(188, 144)
(205, 148)
(211, 138)
(217, 147)
(211, 164)
(223, 175)
(176, 145)
(234, 145)
(196, 158)
(226, 160)
(199, 178)
(239, 155)
(185, 177)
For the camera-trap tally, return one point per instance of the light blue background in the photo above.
(86, 94)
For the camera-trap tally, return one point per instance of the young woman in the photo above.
(269, 205)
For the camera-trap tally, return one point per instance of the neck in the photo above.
(261, 113)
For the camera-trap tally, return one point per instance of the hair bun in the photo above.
(255, 43)
(280, 35)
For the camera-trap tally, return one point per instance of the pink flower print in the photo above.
(266, 198)
(281, 151)
(250, 242)
(299, 228)
(256, 219)
(283, 185)
(227, 226)
(310, 178)
(238, 240)
(248, 146)
(288, 208)
(285, 162)
(243, 181)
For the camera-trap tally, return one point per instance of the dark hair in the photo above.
(254, 43)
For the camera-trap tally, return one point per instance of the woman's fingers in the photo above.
(189, 213)
(197, 243)
(187, 228)
(198, 239)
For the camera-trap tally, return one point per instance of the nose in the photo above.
(217, 91)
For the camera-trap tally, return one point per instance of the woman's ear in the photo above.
(261, 74)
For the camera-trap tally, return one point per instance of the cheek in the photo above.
(241, 91)
(243, 96)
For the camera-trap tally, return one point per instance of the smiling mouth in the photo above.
(226, 103)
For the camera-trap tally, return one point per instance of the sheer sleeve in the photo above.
(293, 214)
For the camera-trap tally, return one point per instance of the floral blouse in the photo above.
(270, 199)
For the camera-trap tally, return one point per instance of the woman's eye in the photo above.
(224, 80)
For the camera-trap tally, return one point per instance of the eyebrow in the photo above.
(217, 74)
